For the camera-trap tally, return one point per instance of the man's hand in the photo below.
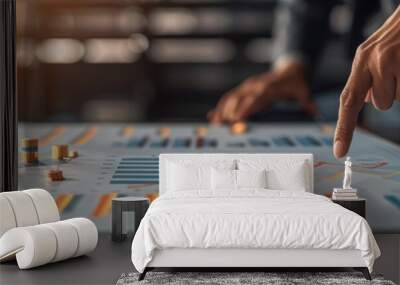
(374, 77)
(286, 81)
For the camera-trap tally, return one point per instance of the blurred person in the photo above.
(302, 30)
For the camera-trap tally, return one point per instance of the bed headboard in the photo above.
(307, 157)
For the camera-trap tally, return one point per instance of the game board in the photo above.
(122, 159)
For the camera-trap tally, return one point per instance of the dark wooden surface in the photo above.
(102, 266)
(357, 206)
(110, 259)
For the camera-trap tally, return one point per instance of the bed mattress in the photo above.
(251, 219)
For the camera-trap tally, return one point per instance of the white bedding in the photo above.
(250, 219)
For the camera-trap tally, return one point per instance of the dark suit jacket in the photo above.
(302, 26)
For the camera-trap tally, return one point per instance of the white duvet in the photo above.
(250, 219)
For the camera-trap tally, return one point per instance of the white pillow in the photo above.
(223, 179)
(228, 180)
(187, 174)
(283, 174)
(187, 177)
(251, 178)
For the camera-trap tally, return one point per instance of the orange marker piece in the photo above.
(86, 136)
(63, 200)
(164, 132)
(55, 133)
(201, 131)
(127, 132)
(152, 196)
(104, 206)
(239, 128)
(328, 129)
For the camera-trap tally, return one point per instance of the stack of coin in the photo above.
(59, 152)
(30, 150)
(73, 154)
(56, 175)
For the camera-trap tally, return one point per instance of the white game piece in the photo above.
(347, 174)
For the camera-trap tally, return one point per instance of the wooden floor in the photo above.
(111, 259)
(103, 266)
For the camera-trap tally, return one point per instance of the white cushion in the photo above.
(34, 244)
(87, 233)
(7, 218)
(40, 244)
(45, 205)
(223, 179)
(185, 175)
(27, 208)
(188, 177)
(23, 208)
(208, 159)
(289, 175)
(251, 179)
(227, 180)
(67, 239)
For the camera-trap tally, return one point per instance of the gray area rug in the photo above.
(229, 278)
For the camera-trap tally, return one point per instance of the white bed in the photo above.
(249, 227)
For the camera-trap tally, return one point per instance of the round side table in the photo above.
(138, 205)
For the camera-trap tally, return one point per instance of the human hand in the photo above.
(286, 81)
(374, 77)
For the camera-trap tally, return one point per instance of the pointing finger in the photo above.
(351, 103)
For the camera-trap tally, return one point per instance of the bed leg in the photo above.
(364, 271)
(143, 274)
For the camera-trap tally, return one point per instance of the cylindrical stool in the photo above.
(139, 205)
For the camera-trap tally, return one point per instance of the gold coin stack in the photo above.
(73, 154)
(56, 175)
(59, 151)
(30, 150)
